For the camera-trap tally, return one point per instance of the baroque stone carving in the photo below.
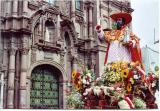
(33, 55)
(24, 51)
(12, 51)
(65, 7)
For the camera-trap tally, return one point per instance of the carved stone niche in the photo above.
(79, 19)
(51, 17)
(65, 7)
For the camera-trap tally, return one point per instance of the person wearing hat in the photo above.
(123, 45)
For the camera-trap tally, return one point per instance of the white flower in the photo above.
(118, 89)
(98, 79)
(105, 90)
(85, 93)
(135, 76)
(87, 83)
(84, 81)
(88, 90)
(89, 80)
(123, 104)
(102, 87)
(88, 74)
(153, 84)
(111, 88)
(96, 90)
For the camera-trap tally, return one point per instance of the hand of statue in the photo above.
(99, 31)
(98, 28)
(127, 43)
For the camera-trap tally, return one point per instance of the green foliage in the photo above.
(74, 100)
(139, 103)
(114, 26)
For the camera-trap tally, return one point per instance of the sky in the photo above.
(144, 19)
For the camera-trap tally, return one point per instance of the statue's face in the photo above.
(120, 23)
(119, 20)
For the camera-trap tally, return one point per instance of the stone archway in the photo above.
(54, 86)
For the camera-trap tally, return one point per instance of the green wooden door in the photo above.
(44, 89)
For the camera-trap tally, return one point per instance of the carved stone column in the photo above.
(85, 22)
(5, 68)
(15, 7)
(17, 77)
(23, 79)
(33, 54)
(10, 96)
(64, 94)
(109, 13)
(73, 15)
(90, 23)
(8, 7)
(58, 27)
(2, 85)
(98, 12)
(25, 7)
(93, 61)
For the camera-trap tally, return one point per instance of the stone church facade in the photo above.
(41, 43)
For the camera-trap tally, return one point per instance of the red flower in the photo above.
(151, 78)
(130, 75)
(75, 81)
(87, 78)
(77, 75)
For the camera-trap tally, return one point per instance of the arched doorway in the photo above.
(45, 88)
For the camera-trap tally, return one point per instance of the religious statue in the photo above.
(123, 45)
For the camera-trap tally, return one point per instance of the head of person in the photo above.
(121, 19)
(120, 22)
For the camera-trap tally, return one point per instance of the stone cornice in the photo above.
(25, 28)
(89, 4)
(20, 31)
(119, 5)
(13, 17)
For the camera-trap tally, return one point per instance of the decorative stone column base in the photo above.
(10, 99)
(23, 101)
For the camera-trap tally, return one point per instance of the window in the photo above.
(67, 39)
(78, 4)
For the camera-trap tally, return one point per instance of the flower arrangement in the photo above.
(119, 86)
(74, 100)
(83, 79)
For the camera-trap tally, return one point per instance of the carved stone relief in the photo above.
(65, 7)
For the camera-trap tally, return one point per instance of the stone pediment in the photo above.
(47, 9)
(44, 6)
(51, 9)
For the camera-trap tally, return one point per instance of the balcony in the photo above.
(50, 46)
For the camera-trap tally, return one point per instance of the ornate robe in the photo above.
(118, 50)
